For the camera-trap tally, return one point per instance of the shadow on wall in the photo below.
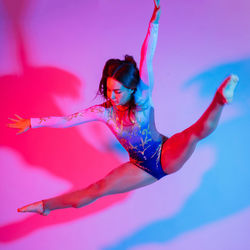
(63, 153)
(224, 188)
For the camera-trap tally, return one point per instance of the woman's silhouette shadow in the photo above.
(62, 152)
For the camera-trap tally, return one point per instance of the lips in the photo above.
(114, 102)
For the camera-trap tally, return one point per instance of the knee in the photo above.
(99, 189)
(200, 130)
(90, 194)
(191, 135)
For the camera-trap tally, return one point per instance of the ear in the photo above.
(132, 91)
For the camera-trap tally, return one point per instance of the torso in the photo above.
(123, 124)
(137, 133)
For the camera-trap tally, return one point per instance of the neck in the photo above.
(121, 107)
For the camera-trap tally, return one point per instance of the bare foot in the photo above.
(36, 207)
(227, 88)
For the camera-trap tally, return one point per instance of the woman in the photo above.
(129, 113)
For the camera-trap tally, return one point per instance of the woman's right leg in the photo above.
(179, 147)
(125, 178)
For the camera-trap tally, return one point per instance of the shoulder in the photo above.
(105, 105)
(143, 95)
(97, 111)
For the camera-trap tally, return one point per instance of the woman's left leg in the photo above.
(122, 179)
(178, 148)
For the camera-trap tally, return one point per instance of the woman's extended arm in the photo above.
(94, 113)
(148, 48)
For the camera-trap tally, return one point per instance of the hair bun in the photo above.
(130, 59)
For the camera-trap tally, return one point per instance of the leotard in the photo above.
(140, 139)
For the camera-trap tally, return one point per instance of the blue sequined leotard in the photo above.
(142, 141)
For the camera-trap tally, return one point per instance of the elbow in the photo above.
(76, 205)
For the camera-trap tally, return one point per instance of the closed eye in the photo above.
(115, 90)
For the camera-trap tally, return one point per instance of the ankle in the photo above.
(219, 98)
(46, 210)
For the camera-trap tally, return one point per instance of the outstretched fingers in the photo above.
(22, 124)
(15, 124)
(156, 13)
(157, 3)
(12, 125)
(18, 116)
(14, 120)
(20, 132)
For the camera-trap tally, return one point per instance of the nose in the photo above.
(112, 95)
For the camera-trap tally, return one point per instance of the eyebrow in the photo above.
(113, 89)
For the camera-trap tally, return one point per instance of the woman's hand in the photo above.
(157, 12)
(21, 123)
(36, 207)
(157, 3)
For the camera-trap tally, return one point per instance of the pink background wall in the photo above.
(51, 58)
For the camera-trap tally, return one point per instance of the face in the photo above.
(117, 93)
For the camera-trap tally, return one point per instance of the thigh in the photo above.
(124, 178)
(177, 150)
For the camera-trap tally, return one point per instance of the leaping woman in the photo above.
(129, 112)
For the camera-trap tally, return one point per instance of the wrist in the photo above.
(29, 123)
(46, 210)
(156, 15)
(43, 205)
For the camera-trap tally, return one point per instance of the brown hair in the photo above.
(125, 71)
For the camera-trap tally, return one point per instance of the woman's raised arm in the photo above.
(148, 48)
(94, 113)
